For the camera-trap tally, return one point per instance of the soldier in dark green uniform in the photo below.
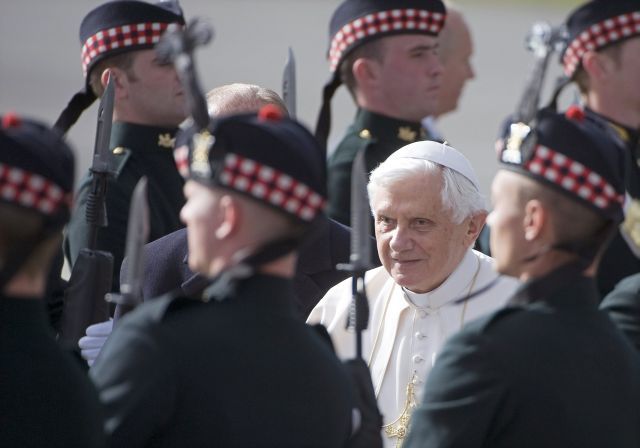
(550, 369)
(602, 58)
(234, 366)
(46, 398)
(117, 40)
(386, 54)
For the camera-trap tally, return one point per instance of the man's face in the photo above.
(155, 95)
(199, 213)
(627, 76)
(418, 243)
(410, 75)
(457, 68)
(506, 223)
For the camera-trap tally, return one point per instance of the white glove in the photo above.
(91, 344)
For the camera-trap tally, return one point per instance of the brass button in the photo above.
(118, 150)
(365, 134)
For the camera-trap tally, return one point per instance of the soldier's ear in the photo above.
(535, 220)
(119, 79)
(230, 213)
(365, 71)
(597, 65)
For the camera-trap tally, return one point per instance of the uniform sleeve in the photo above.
(623, 307)
(135, 383)
(462, 397)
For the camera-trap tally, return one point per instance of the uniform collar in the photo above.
(455, 287)
(564, 286)
(628, 136)
(266, 293)
(29, 312)
(370, 125)
(139, 137)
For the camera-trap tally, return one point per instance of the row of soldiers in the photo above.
(461, 349)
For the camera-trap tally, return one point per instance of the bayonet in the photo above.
(289, 84)
(360, 258)
(137, 235)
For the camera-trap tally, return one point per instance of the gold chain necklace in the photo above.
(399, 428)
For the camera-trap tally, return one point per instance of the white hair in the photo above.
(458, 193)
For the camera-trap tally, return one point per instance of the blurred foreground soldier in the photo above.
(549, 370)
(233, 366)
(421, 294)
(387, 56)
(603, 58)
(455, 50)
(47, 400)
(117, 40)
(166, 268)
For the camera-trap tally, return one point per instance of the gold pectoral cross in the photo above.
(399, 428)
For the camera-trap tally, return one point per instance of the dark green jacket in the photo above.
(381, 136)
(46, 399)
(549, 370)
(623, 306)
(136, 151)
(618, 260)
(241, 372)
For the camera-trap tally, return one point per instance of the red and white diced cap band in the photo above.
(31, 190)
(599, 35)
(573, 176)
(118, 37)
(382, 22)
(272, 186)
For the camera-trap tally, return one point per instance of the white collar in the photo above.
(454, 287)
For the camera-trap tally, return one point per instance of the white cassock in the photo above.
(406, 330)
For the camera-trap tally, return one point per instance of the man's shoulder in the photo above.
(348, 147)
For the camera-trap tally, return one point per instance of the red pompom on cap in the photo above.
(575, 113)
(270, 112)
(11, 120)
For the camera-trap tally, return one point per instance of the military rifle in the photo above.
(177, 46)
(360, 259)
(92, 272)
(543, 40)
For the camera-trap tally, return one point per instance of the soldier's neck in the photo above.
(27, 286)
(615, 110)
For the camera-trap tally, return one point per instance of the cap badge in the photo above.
(202, 143)
(166, 141)
(407, 134)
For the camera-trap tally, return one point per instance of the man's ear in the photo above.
(120, 80)
(597, 65)
(476, 223)
(365, 71)
(230, 211)
(535, 220)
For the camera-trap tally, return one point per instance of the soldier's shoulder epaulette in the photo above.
(119, 157)
(349, 147)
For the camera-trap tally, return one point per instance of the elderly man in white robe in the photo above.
(428, 212)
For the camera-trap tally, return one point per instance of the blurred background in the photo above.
(40, 62)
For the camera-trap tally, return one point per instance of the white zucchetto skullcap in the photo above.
(439, 153)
